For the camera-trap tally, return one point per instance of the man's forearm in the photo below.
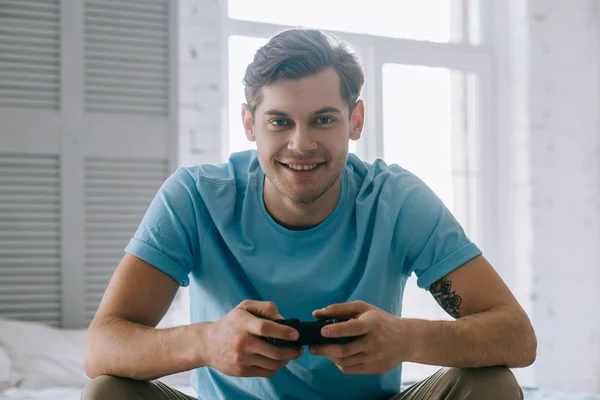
(122, 348)
(494, 337)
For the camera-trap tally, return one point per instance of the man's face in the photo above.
(301, 129)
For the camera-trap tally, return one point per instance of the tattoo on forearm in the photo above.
(449, 300)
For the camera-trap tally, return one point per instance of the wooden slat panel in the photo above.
(30, 274)
(130, 38)
(30, 238)
(50, 317)
(29, 54)
(117, 195)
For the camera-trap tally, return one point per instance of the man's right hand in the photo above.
(235, 344)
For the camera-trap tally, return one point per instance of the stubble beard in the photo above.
(307, 197)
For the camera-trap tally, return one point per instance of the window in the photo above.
(241, 53)
(417, 124)
(432, 20)
(425, 131)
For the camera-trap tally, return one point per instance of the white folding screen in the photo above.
(87, 135)
(30, 267)
(29, 54)
(29, 237)
(117, 193)
(127, 57)
(127, 81)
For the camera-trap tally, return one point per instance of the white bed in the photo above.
(40, 362)
(62, 393)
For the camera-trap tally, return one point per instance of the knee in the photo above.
(489, 382)
(109, 387)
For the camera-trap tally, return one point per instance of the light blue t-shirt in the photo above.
(208, 227)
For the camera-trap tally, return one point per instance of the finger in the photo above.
(258, 360)
(347, 310)
(267, 328)
(265, 309)
(339, 350)
(269, 350)
(354, 327)
(350, 361)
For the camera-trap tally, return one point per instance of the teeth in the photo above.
(302, 167)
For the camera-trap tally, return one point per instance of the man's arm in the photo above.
(122, 339)
(491, 327)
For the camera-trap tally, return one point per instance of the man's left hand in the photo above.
(382, 345)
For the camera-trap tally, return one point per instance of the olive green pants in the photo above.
(493, 383)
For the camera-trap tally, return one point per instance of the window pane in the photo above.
(241, 53)
(422, 20)
(417, 124)
(426, 130)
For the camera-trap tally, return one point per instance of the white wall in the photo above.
(564, 106)
(201, 95)
(549, 93)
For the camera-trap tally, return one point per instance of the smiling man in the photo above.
(302, 229)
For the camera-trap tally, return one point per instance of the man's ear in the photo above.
(248, 122)
(357, 120)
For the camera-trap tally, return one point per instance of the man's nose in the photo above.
(301, 140)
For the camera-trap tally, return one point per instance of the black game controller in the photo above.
(310, 333)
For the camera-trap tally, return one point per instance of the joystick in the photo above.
(310, 333)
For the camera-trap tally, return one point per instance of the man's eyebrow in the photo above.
(276, 113)
(323, 110)
(326, 110)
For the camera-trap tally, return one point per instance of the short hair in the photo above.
(297, 53)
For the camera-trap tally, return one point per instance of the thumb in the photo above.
(264, 309)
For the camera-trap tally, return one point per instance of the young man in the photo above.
(301, 229)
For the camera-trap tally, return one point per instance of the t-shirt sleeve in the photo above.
(434, 242)
(168, 235)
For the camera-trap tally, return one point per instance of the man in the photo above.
(301, 229)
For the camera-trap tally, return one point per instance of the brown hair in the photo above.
(296, 53)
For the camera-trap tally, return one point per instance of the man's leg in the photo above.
(110, 387)
(491, 383)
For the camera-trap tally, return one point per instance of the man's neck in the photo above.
(297, 216)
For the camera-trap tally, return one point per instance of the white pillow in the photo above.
(42, 355)
(8, 377)
(4, 368)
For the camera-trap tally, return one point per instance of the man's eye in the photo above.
(324, 120)
(279, 122)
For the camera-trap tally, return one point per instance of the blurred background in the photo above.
(494, 103)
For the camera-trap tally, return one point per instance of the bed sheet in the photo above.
(65, 393)
(60, 393)
(532, 394)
